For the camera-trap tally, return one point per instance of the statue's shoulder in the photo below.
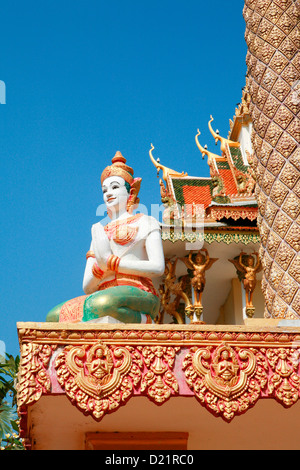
(149, 223)
(97, 225)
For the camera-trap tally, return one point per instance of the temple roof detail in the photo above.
(226, 196)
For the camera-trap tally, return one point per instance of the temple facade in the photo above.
(217, 365)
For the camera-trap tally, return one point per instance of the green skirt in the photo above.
(126, 304)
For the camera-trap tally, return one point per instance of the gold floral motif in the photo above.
(276, 36)
(294, 269)
(295, 160)
(293, 237)
(286, 22)
(278, 192)
(288, 48)
(271, 106)
(270, 212)
(290, 73)
(33, 377)
(294, 129)
(296, 303)
(287, 289)
(286, 144)
(284, 381)
(291, 206)
(267, 181)
(278, 64)
(225, 380)
(247, 267)
(282, 224)
(159, 382)
(279, 307)
(283, 116)
(275, 163)
(98, 379)
(172, 292)
(273, 133)
(284, 255)
(227, 370)
(197, 265)
(272, 37)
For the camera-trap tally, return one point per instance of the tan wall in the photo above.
(257, 429)
(231, 313)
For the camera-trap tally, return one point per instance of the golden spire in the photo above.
(242, 113)
(166, 171)
(223, 140)
(244, 107)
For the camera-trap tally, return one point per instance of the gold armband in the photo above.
(97, 272)
(113, 263)
(90, 254)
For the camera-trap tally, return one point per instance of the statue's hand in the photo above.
(101, 246)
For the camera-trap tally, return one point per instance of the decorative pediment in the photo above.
(99, 369)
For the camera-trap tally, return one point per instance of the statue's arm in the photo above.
(95, 268)
(90, 282)
(92, 278)
(191, 259)
(241, 260)
(101, 246)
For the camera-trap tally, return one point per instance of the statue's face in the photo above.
(115, 193)
(250, 261)
(199, 258)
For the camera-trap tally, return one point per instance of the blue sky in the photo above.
(83, 80)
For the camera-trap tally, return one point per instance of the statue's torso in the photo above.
(128, 241)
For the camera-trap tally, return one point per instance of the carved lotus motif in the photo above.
(97, 379)
(224, 380)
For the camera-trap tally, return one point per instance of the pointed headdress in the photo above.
(119, 168)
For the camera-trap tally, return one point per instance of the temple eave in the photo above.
(160, 363)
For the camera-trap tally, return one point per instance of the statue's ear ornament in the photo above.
(133, 200)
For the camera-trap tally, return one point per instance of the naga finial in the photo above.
(211, 157)
(223, 140)
(166, 171)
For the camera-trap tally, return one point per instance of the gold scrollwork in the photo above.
(96, 378)
(226, 381)
(159, 382)
(33, 377)
(284, 381)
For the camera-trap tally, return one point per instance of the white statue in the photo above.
(124, 257)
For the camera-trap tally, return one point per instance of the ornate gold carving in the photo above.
(226, 381)
(172, 292)
(283, 116)
(98, 379)
(275, 163)
(278, 193)
(247, 268)
(287, 288)
(271, 106)
(197, 265)
(159, 382)
(295, 159)
(221, 139)
(272, 35)
(227, 368)
(296, 303)
(235, 214)
(293, 237)
(33, 377)
(294, 270)
(284, 381)
(166, 171)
